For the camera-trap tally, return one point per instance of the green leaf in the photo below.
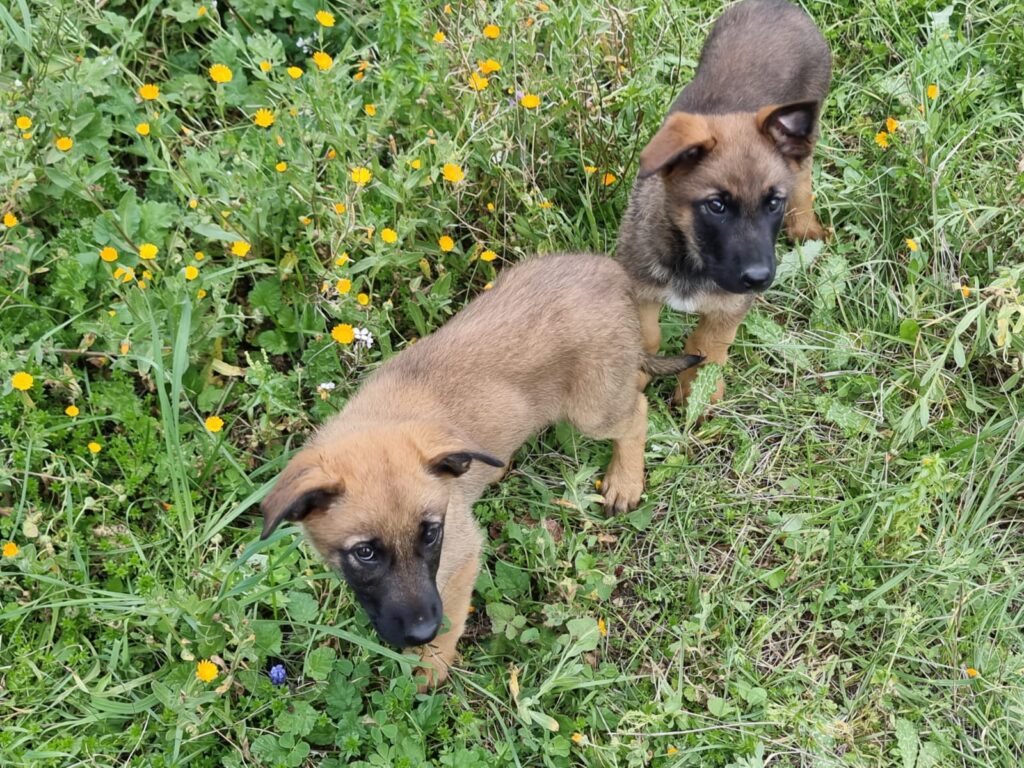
(909, 329)
(319, 662)
(701, 391)
(302, 606)
(298, 718)
(268, 637)
(907, 742)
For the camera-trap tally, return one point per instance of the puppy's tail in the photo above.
(658, 365)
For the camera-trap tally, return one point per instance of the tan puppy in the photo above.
(385, 489)
(730, 165)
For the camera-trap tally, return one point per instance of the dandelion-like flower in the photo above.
(488, 66)
(416, 164)
(323, 60)
(191, 272)
(361, 175)
(11, 549)
(491, 31)
(64, 143)
(388, 235)
(142, 129)
(214, 424)
(362, 299)
(206, 670)
(602, 628)
(148, 251)
(477, 83)
(911, 244)
(530, 101)
(278, 674)
(452, 173)
(892, 124)
(240, 248)
(608, 179)
(343, 286)
(221, 74)
(343, 333)
(149, 92)
(326, 18)
(263, 118)
(439, 37)
(445, 243)
(340, 207)
(24, 122)
(72, 411)
(94, 447)
(10, 220)
(265, 66)
(281, 167)
(370, 109)
(972, 672)
(22, 381)
(578, 738)
(882, 139)
(933, 91)
(294, 72)
(488, 255)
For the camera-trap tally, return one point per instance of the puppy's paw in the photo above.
(808, 228)
(435, 669)
(621, 490)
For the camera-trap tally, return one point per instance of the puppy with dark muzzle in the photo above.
(385, 489)
(730, 163)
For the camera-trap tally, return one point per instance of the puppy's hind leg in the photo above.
(624, 480)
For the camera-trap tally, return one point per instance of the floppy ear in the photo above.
(684, 138)
(457, 464)
(304, 487)
(790, 126)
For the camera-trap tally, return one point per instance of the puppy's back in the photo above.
(759, 52)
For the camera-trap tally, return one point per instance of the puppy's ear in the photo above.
(458, 463)
(303, 488)
(683, 139)
(790, 126)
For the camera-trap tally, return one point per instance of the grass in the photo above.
(827, 572)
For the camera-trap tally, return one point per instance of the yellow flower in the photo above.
(911, 244)
(448, 8)
(323, 60)
(488, 255)
(72, 411)
(416, 164)
(491, 31)
(64, 143)
(10, 220)
(326, 18)
(142, 129)
(530, 101)
(490, 207)
(971, 671)
(201, 293)
(206, 670)
(882, 139)
(220, 73)
(108, 254)
(602, 628)
(342, 260)
(125, 346)
(358, 76)
(545, 204)
(370, 109)
(193, 203)
(149, 92)
(578, 738)
(305, 220)
(199, 256)
(590, 169)
(191, 272)
(344, 285)
(543, 7)
(445, 243)
(11, 549)
(388, 235)
(264, 118)
(891, 124)
(22, 381)
(363, 299)
(933, 91)
(477, 83)
(94, 447)
(147, 251)
(343, 333)
(24, 122)
(214, 423)
(608, 179)
(201, 11)
(26, 136)
(438, 37)
(265, 66)
(671, 750)
(332, 153)
(488, 66)
(965, 291)
(340, 208)
(361, 175)
(240, 248)
(281, 167)
(294, 72)
(452, 173)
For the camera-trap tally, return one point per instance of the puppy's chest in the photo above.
(708, 302)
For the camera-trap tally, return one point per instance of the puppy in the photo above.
(385, 489)
(729, 164)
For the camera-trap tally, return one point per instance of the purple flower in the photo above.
(278, 674)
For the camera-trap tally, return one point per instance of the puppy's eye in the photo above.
(774, 203)
(715, 205)
(366, 553)
(432, 534)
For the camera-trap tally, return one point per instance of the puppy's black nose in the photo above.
(757, 277)
(421, 632)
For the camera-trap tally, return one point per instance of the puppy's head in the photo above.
(727, 179)
(374, 503)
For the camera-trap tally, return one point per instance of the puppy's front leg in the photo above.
(801, 223)
(624, 480)
(456, 596)
(714, 333)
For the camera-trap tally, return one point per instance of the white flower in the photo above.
(364, 337)
(327, 386)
